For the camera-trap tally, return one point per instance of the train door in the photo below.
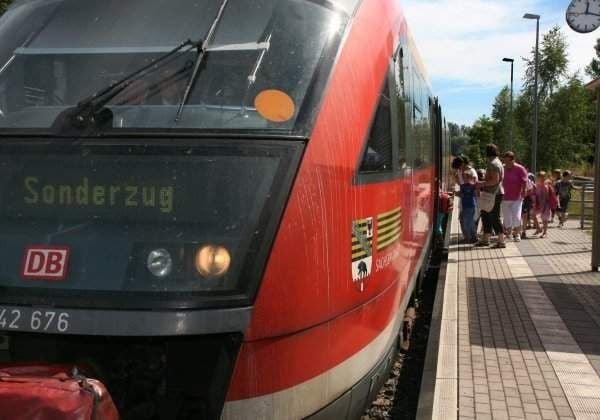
(400, 98)
(401, 106)
(436, 140)
(422, 159)
(405, 82)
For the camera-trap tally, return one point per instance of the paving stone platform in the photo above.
(516, 332)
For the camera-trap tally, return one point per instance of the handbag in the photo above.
(487, 200)
(552, 198)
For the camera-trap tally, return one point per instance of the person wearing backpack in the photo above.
(563, 191)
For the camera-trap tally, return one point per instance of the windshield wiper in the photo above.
(201, 54)
(90, 112)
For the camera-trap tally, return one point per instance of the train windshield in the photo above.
(252, 66)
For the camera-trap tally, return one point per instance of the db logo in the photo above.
(45, 263)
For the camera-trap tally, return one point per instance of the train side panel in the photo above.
(317, 329)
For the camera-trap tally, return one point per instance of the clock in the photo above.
(583, 16)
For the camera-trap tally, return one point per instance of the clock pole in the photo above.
(578, 21)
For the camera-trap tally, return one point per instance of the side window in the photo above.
(379, 151)
(418, 136)
(421, 126)
(401, 99)
(433, 131)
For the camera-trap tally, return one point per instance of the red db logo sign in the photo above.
(45, 263)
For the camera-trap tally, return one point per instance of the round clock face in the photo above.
(584, 15)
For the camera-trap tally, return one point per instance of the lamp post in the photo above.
(512, 62)
(536, 98)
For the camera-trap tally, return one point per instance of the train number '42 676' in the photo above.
(28, 319)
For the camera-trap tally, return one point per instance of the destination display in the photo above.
(148, 188)
(38, 191)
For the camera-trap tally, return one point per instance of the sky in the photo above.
(462, 43)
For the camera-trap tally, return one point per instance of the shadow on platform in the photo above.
(499, 317)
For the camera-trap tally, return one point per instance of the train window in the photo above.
(54, 54)
(400, 98)
(417, 136)
(378, 153)
(421, 133)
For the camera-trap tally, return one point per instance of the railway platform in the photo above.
(515, 332)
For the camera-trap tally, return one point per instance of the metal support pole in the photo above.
(534, 145)
(596, 215)
(511, 106)
(582, 211)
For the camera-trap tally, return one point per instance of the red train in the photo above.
(218, 208)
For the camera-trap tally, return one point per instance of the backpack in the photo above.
(530, 187)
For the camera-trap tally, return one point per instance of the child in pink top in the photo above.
(545, 201)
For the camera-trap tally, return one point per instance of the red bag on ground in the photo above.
(48, 392)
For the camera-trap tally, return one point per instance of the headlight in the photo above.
(212, 261)
(159, 262)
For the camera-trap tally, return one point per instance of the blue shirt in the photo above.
(467, 192)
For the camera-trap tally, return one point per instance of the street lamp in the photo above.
(512, 62)
(536, 98)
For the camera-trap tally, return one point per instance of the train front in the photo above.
(147, 152)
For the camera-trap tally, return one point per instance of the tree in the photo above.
(460, 145)
(481, 134)
(566, 109)
(523, 128)
(553, 66)
(502, 119)
(454, 129)
(593, 69)
(4, 5)
(567, 126)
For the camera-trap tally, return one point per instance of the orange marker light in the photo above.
(212, 261)
(274, 105)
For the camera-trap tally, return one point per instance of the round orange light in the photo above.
(274, 105)
(212, 261)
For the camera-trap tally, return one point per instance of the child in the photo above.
(442, 217)
(469, 204)
(480, 174)
(545, 200)
(563, 191)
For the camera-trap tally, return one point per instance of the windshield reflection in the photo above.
(77, 50)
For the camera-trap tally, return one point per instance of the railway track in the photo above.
(399, 397)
